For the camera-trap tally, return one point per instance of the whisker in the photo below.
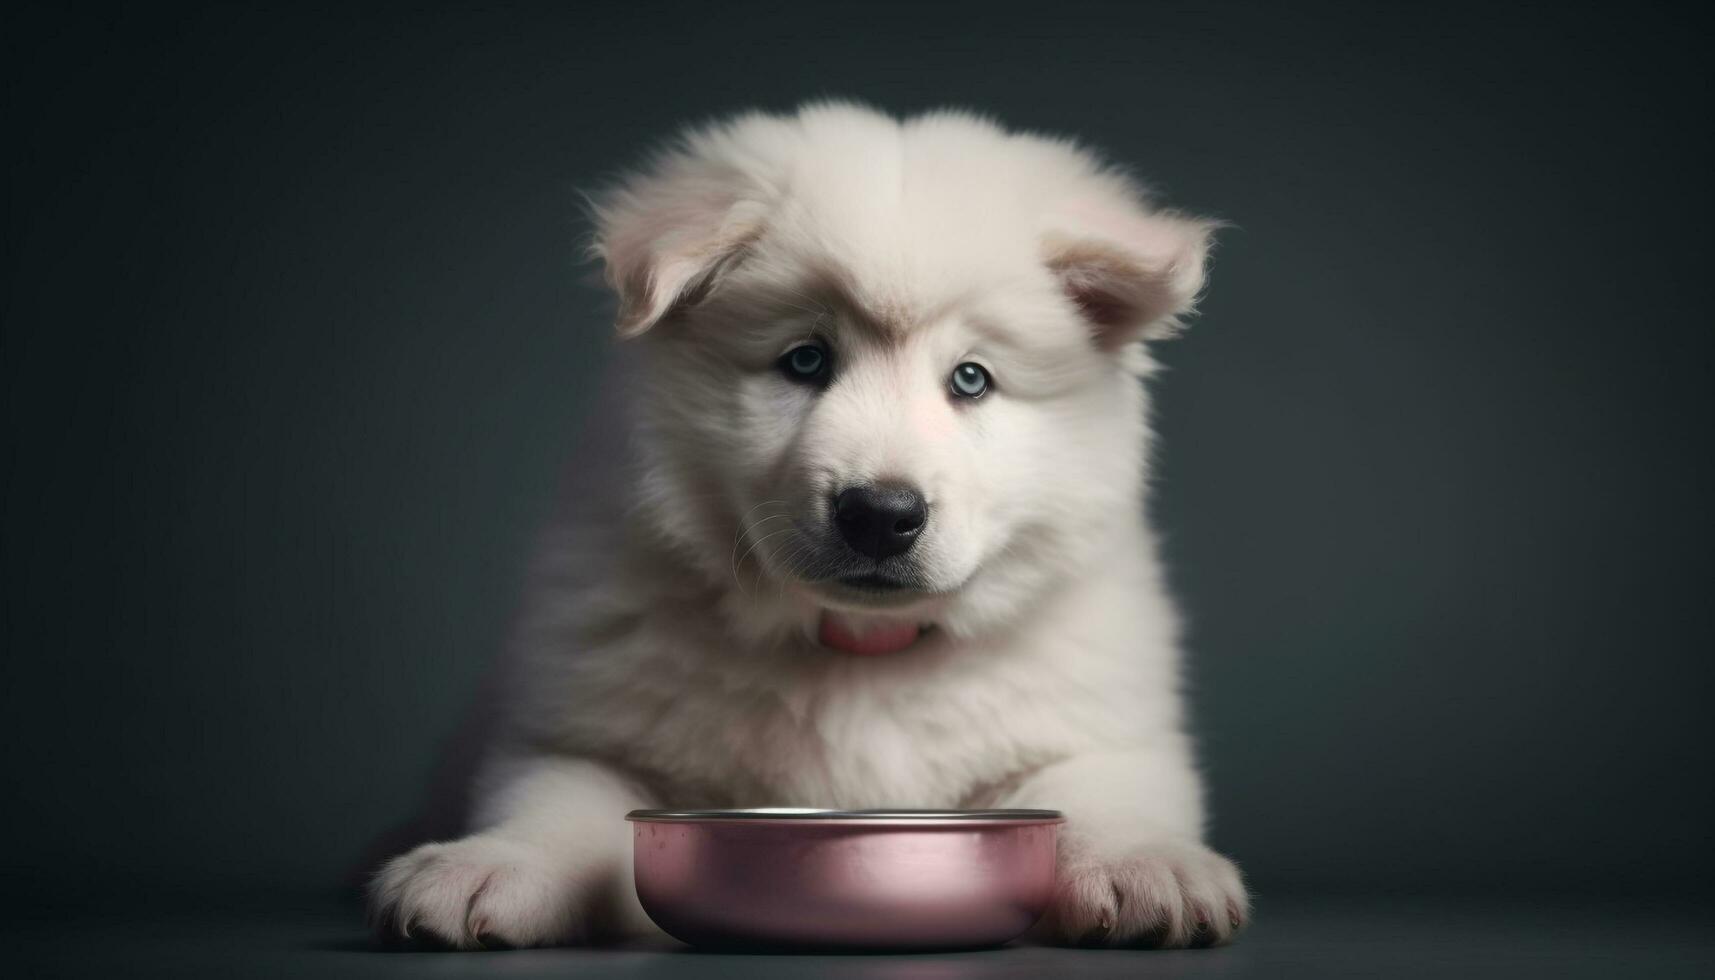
(794, 565)
(751, 529)
(765, 503)
(735, 560)
(744, 530)
(747, 552)
(806, 297)
(818, 314)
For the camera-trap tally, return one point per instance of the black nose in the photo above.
(880, 521)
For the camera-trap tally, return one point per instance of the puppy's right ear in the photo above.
(666, 236)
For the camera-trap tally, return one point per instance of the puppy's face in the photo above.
(874, 414)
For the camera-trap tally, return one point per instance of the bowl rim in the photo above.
(881, 817)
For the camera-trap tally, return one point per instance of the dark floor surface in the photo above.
(1318, 937)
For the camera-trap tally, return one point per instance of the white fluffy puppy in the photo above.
(883, 541)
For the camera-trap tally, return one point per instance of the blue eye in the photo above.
(970, 380)
(806, 362)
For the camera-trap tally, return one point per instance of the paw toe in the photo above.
(1169, 896)
(471, 894)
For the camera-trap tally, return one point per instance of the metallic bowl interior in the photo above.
(845, 879)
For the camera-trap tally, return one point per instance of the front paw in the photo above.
(1163, 895)
(483, 892)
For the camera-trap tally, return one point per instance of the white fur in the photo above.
(668, 656)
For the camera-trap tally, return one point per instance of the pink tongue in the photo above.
(876, 640)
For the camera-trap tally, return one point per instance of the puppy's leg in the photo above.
(551, 865)
(1133, 867)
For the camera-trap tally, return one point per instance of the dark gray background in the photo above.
(296, 335)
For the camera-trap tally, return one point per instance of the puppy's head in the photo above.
(893, 367)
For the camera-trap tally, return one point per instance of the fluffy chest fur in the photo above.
(656, 682)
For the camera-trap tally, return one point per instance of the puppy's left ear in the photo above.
(665, 238)
(1133, 273)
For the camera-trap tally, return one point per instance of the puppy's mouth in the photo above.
(875, 583)
(867, 636)
(870, 609)
(872, 588)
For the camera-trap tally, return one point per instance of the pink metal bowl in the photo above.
(845, 879)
